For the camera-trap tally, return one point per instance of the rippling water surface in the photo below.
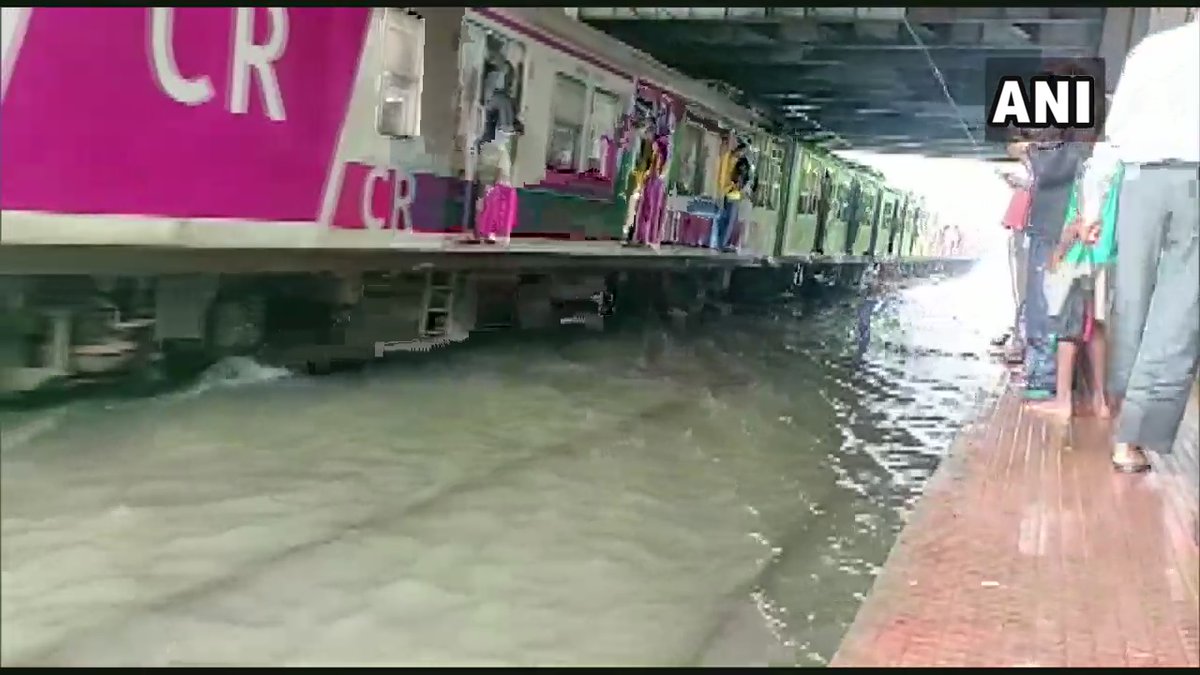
(649, 496)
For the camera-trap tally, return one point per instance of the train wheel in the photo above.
(236, 325)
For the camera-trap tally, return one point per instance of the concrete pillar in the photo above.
(1162, 18)
(1125, 27)
(1115, 37)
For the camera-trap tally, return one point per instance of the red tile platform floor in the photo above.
(1027, 549)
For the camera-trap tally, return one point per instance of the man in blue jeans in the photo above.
(1054, 162)
(735, 185)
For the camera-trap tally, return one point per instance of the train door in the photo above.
(492, 77)
(896, 225)
(854, 212)
(766, 192)
(801, 232)
(917, 226)
(826, 186)
(872, 198)
(835, 229)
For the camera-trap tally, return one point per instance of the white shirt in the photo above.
(1155, 111)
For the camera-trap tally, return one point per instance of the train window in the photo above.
(689, 179)
(399, 111)
(568, 113)
(606, 113)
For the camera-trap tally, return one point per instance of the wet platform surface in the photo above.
(1027, 549)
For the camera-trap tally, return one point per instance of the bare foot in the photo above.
(1100, 409)
(1053, 409)
(1128, 458)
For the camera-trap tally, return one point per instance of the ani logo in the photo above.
(1032, 94)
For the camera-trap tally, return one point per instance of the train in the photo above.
(199, 182)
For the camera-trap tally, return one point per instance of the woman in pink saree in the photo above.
(654, 195)
(498, 206)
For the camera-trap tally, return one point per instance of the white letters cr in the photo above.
(246, 55)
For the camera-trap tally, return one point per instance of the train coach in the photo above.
(195, 181)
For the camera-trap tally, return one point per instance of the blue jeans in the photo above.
(722, 230)
(1040, 342)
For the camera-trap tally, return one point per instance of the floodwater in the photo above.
(721, 495)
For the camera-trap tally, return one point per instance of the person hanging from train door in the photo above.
(641, 147)
(499, 99)
(500, 94)
(654, 188)
(880, 217)
(899, 213)
(853, 215)
(824, 201)
(735, 174)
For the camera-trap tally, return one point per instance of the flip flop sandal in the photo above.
(1131, 467)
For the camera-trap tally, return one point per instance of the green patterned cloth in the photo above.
(1103, 251)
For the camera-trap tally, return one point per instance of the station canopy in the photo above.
(879, 79)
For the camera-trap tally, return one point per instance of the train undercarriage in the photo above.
(61, 330)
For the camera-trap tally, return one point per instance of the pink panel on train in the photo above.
(87, 128)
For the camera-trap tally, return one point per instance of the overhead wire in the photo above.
(937, 73)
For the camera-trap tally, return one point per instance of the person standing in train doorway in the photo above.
(735, 176)
(1153, 131)
(500, 91)
(824, 200)
(853, 215)
(499, 101)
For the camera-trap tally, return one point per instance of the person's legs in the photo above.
(723, 224)
(1039, 344)
(1163, 370)
(731, 217)
(1061, 406)
(1018, 263)
(1066, 295)
(631, 212)
(1140, 224)
(819, 236)
(1020, 246)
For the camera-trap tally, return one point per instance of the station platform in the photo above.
(1027, 549)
